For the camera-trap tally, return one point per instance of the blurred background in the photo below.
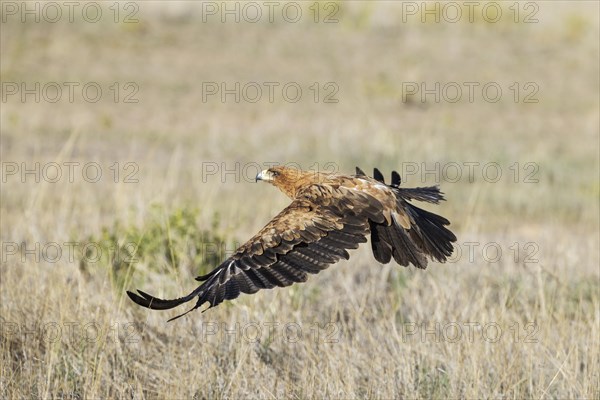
(131, 133)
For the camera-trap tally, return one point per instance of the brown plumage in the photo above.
(329, 214)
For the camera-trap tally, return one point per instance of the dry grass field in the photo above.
(128, 156)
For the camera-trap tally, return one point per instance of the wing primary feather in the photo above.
(202, 278)
(382, 249)
(396, 180)
(291, 273)
(315, 254)
(430, 194)
(258, 279)
(334, 248)
(404, 249)
(181, 315)
(154, 303)
(378, 175)
(246, 284)
(274, 277)
(300, 265)
(296, 260)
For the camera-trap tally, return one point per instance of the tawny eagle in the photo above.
(329, 214)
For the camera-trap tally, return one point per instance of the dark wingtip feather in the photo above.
(378, 175)
(181, 315)
(396, 180)
(137, 299)
(154, 303)
(380, 243)
(202, 278)
(360, 172)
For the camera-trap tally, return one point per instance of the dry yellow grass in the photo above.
(520, 324)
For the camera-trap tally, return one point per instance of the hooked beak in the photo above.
(264, 175)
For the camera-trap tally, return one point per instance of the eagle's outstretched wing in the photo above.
(306, 237)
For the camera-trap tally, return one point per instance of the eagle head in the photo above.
(286, 179)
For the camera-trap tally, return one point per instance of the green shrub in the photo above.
(166, 243)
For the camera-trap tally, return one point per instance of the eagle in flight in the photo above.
(329, 214)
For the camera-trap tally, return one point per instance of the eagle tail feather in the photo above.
(430, 233)
(427, 237)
